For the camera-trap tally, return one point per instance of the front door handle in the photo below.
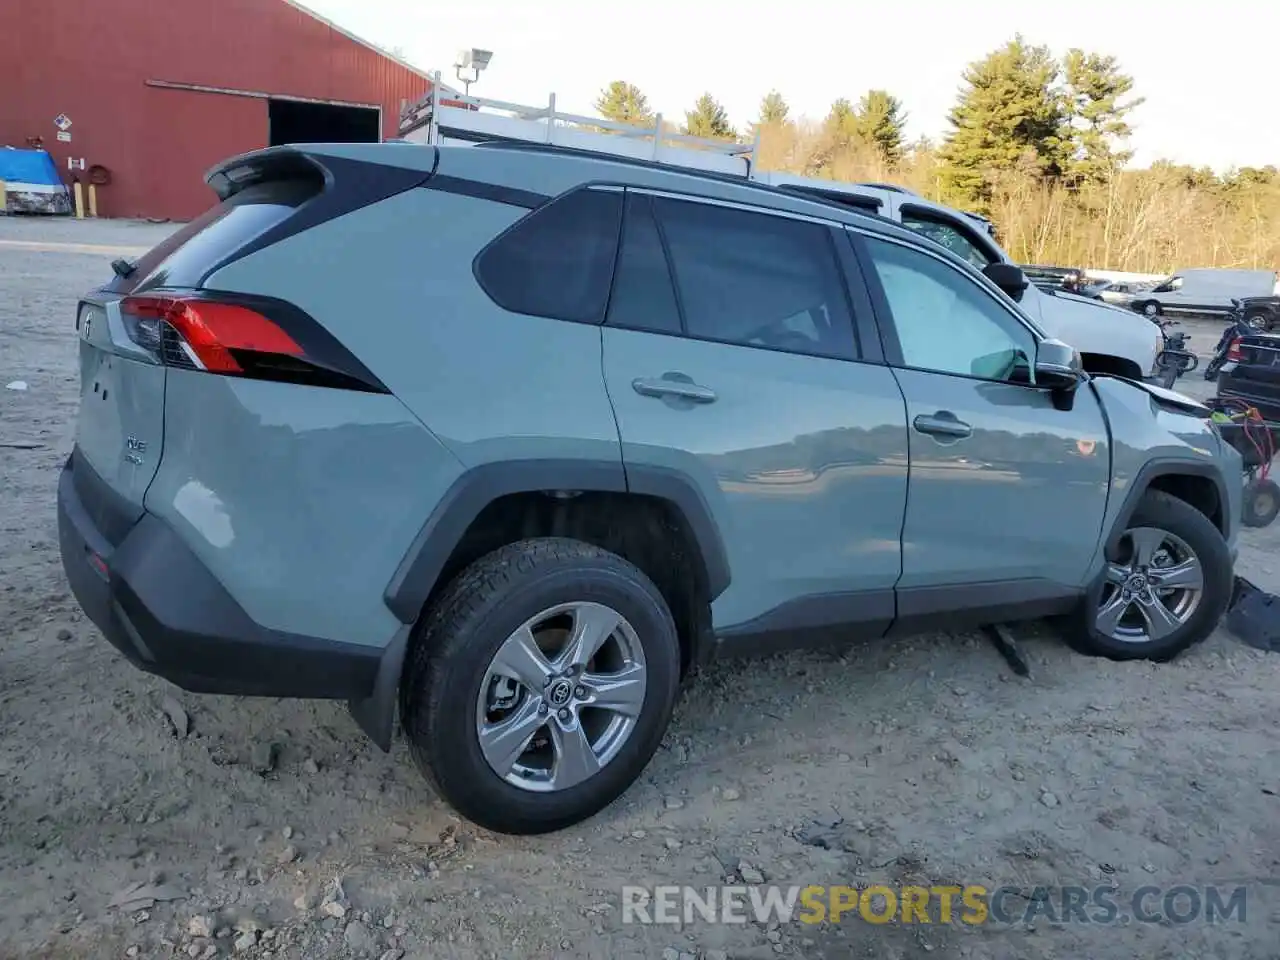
(944, 423)
(669, 386)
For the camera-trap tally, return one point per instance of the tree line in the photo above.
(1036, 142)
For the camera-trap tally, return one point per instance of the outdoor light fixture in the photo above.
(468, 65)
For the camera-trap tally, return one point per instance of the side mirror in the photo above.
(1060, 370)
(1008, 277)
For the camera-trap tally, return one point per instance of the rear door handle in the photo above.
(944, 423)
(668, 386)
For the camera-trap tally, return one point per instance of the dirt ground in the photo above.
(925, 761)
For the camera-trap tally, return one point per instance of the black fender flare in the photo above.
(1149, 472)
(415, 577)
(475, 489)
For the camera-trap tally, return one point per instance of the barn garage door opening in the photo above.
(296, 121)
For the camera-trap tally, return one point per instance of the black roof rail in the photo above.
(857, 200)
(891, 187)
(860, 205)
(526, 146)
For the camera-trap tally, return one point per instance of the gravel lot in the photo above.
(941, 766)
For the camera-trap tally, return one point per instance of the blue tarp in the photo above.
(32, 184)
(28, 166)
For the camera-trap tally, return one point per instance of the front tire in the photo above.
(540, 685)
(1164, 591)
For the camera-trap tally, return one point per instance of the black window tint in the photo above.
(642, 298)
(756, 279)
(183, 257)
(558, 261)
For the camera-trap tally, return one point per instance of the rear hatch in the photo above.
(120, 428)
(1255, 376)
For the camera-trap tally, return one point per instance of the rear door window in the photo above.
(757, 279)
(184, 257)
(558, 261)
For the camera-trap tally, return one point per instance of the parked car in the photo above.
(1262, 313)
(509, 438)
(1115, 292)
(1109, 338)
(1251, 374)
(1206, 292)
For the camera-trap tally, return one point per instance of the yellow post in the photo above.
(93, 200)
(79, 200)
(4, 197)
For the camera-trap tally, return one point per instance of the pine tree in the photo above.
(773, 109)
(1095, 87)
(1010, 115)
(842, 121)
(708, 119)
(880, 121)
(623, 102)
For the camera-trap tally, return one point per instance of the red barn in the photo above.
(150, 93)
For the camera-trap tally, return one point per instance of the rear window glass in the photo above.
(185, 256)
(558, 261)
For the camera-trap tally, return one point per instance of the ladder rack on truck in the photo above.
(448, 118)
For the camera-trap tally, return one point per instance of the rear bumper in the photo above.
(159, 605)
(1263, 395)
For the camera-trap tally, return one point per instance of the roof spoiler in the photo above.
(259, 166)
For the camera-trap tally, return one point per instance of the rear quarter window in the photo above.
(184, 257)
(556, 262)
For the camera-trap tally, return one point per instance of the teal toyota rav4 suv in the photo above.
(505, 439)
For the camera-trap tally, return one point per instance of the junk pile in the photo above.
(29, 183)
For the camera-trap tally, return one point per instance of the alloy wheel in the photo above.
(1154, 591)
(561, 697)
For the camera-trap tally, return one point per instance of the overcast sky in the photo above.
(1210, 71)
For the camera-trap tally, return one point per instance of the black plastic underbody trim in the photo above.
(963, 606)
(375, 714)
(168, 615)
(1153, 469)
(814, 621)
(110, 514)
(839, 618)
(416, 576)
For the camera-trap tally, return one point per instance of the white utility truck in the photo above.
(1110, 339)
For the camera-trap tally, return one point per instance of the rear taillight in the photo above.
(240, 336)
(1233, 352)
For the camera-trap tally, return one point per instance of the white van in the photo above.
(1206, 291)
(1110, 339)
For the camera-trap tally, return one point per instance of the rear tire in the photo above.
(1150, 308)
(1261, 503)
(1159, 622)
(456, 723)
